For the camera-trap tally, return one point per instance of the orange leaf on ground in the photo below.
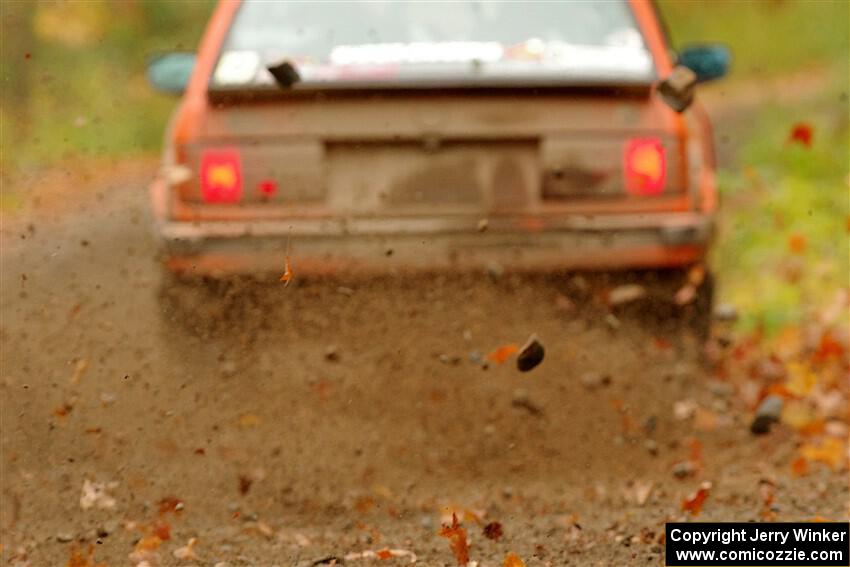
(693, 504)
(831, 452)
(828, 348)
(161, 529)
(501, 354)
(800, 467)
(148, 543)
(767, 489)
(696, 452)
(78, 559)
(512, 560)
(457, 540)
(170, 504)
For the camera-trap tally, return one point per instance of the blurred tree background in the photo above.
(74, 88)
(73, 76)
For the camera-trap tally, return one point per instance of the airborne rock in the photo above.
(530, 355)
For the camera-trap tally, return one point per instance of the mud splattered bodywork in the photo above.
(390, 175)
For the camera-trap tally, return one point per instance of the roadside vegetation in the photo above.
(783, 242)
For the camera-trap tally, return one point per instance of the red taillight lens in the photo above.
(644, 166)
(221, 176)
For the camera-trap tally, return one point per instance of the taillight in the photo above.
(644, 166)
(221, 175)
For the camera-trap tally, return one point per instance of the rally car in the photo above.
(361, 137)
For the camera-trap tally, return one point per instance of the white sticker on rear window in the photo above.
(236, 68)
(417, 52)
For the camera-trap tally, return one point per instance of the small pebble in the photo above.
(332, 354)
(495, 270)
(683, 469)
(530, 355)
(593, 380)
(767, 414)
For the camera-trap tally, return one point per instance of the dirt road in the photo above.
(328, 418)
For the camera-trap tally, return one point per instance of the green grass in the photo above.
(776, 190)
(74, 77)
(767, 37)
(783, 190)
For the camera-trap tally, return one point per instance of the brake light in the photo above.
(221, 176)
(644, 166)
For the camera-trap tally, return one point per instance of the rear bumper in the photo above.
(517, 243)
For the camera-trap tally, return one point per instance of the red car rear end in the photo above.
(541, 149)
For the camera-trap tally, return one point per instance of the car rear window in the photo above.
(391, 40)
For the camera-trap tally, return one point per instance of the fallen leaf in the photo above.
(78, 559)
(245, 483)
(146, 550)
(801, 133)
(79, 370)
(642, 490)
(801, 379)
(503, 353)
(705, 419)
(248, 421)
(493, 531)
(94, 494)
(287, 272)
(287, 267)
(512, 560)
(831, 451)
(828, 348)
(694, 502)
(148, 543)
(63, 410)
(448, 512)
(800, 467)
(369, 554)
(695, 458)
(170, 504)
(767, 490)
(161, 529)
(457, 540)
(187, 552)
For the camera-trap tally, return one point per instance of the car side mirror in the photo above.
(170, 72)
(708, 62)
(677, 90)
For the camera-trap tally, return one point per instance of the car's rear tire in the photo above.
(699, 313)
(659, 308)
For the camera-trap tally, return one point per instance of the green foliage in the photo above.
(781, 192)
(74, 76)
(777, 190)
(767, 37)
